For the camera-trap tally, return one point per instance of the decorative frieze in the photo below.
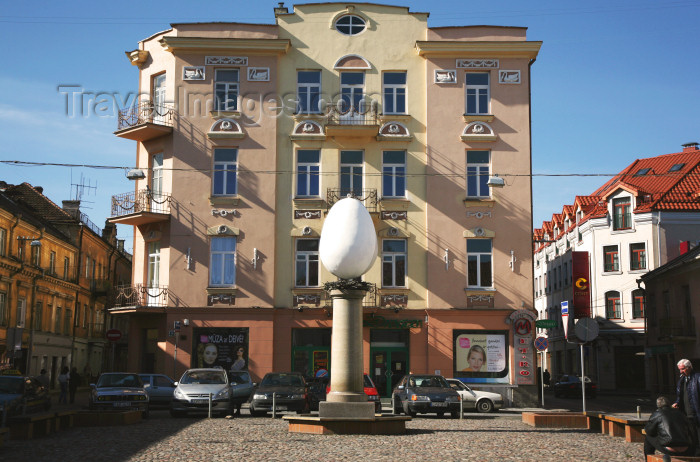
(258, 74)
(224, 212)
(394, 215)
(221, 299)
(479, 215)
(226, 60)
(306, 300)
(193, 73)
(307, 214)
(509, 77)
(477, 64)
(445, 76)
(394, 300)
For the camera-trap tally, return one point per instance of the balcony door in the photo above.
(157, 184)
(351, 163)
(352, 86)
(153, 274)
(159, 99)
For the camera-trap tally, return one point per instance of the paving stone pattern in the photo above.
(164, 439)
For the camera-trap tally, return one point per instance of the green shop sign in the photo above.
(381, 321)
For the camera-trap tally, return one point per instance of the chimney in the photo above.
(120, 245)
(281, 9)
(72, 208)
(109, 232)
(692, 146)
(39, 189)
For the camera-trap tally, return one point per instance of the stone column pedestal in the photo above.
(347, 397)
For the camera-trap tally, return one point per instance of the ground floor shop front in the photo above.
(490, 349)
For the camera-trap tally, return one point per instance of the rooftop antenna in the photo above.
(82, 188)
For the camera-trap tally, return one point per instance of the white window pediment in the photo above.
(352, 61)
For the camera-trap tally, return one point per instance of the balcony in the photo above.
(141, 207)
(342, 121)
(141, 296)
(144, 121)
(368, 197)
(97, 330)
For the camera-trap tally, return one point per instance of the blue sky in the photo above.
(615, 81)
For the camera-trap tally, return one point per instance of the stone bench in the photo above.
(555, 419)
(625, 426)
(64, 420)
(30, 426)
(596, 421)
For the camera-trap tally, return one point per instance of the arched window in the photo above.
(350, 24)
(638, 303)
(613, 305)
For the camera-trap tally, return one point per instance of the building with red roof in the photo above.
(632, 224)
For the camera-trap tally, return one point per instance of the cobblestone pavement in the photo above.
(164, 439)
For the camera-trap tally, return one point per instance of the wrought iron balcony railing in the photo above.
(368, 197)
(140, 295)
(343, 114)
(145, 113)
(141, 201)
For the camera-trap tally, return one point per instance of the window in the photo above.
(225, 171)
(622, 217)
(87, 266)
(36, 254)
(153, 268)
(307, 263)
(393, 263)
(3, 309)
(394, 93)
(57, 321)
(350, 173)
(52, 263)
(159, 108)
(676, 168)
(3, 240)
(638, 256)
(66, 268)
(222, 269)
(86, 313)
(478, 93)
(226, 90)
(612, 258)
(350, 24)
(308, 167)
(38, 315)
(21, 312)
(642, 172)
(394, 174)
(478, 173)
(308, 92)
(351, 94)
(67, 322)
(479, 256)
(637, 303)
(613, 307)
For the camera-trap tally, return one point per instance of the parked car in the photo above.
(119, 391)
(318, 387)
(369, 389)
(20, 394)
(291, 394)
(570, 386)
(192, 392)
(241, 388)
(482, 401)
(418, 393)
(159, 387)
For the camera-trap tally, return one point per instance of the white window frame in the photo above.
(391, 173)
(228, 88)
(355, 26)
(619, 304)
(476, 173)
(307, 259)
(392, 91)
(312, 89)
(479, 256)
(617, 259)
(226, 168)
(478, 90)
(153, 265)
(305, 170)
(58, 312)
(218, 260)
(351, 172)
(66, 268)
(393, 259)
(350, 91)
(159, 88)
(3, 242)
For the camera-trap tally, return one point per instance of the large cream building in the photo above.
(247, 134)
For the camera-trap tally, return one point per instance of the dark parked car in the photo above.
(570, 385)
(421, 394)
(291, 394)
(159, 388)
(119, 391)
(19, 394)
(370, 390)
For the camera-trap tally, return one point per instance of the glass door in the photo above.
(157, 184)
(352, 94)
(153, 277)
(159, 99)
(388, 366)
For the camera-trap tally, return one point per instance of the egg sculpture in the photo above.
(348, 244)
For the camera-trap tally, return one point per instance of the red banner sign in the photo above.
(581, 283)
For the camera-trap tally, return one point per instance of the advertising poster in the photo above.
(481, 356)
(581, 283)
(225, 347)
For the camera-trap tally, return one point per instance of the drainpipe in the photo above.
(30, 346)
(77, 293)
(529, 116)
(658, 240)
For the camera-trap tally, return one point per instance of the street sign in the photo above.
(114, 335)
(546, 323)
(586, 329)
(541, 343)
(565, 318)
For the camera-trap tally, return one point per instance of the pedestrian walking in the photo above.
(63, 379)
(668, 432)
(43, 378)
(688, 398)
(546, 377)
(73, 383)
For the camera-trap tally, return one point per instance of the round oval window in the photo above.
(350, 25)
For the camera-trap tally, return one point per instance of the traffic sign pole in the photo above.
(542, 375)
(583, 382)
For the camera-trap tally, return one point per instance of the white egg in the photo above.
(348, 244)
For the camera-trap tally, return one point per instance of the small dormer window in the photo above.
(622, 213)
(642, 172)
(350, 24)
(676, 168)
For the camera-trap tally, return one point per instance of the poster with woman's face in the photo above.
(481, 356)
(225, 347)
